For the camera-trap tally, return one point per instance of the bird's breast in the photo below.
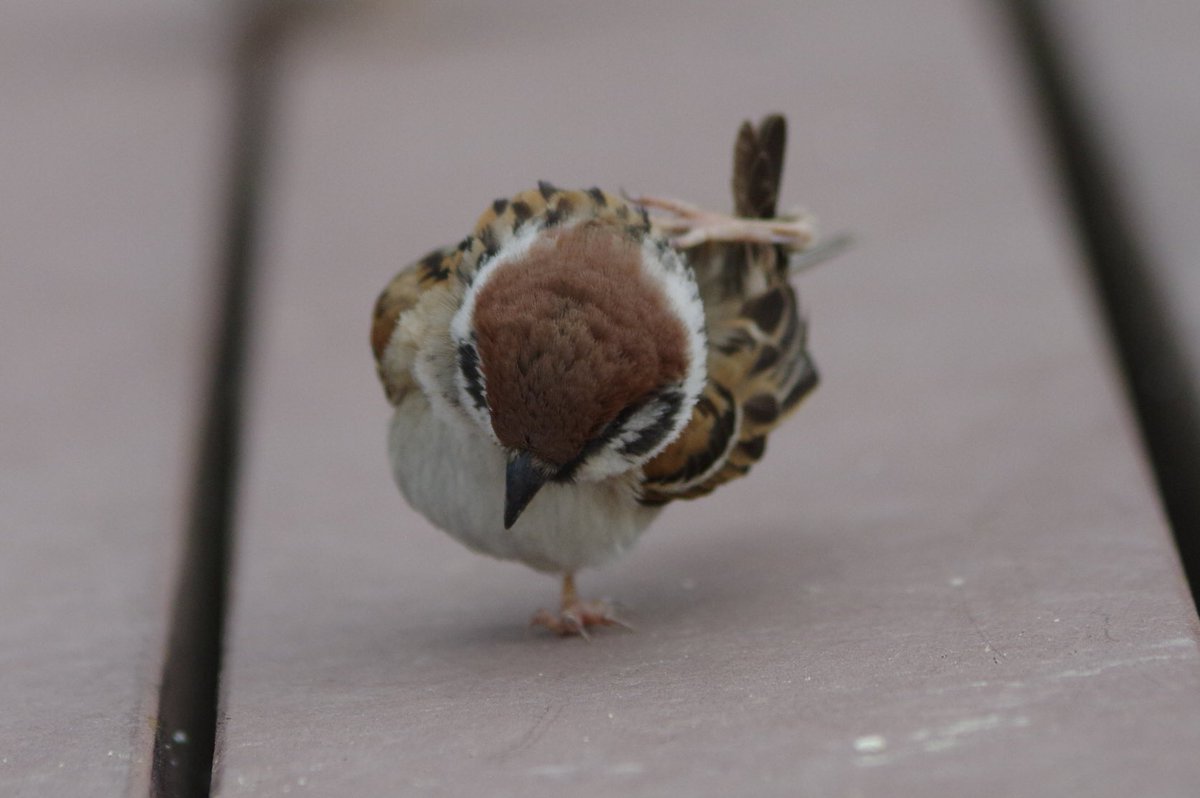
(454, 475)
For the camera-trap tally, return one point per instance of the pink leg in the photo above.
(576, 616)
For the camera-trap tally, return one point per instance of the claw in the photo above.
(576, 616)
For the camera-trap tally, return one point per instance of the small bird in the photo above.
(575, 363)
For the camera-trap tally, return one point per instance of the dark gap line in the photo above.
(189, 694)
(1154, 366)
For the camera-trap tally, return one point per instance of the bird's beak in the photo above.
(523, 480)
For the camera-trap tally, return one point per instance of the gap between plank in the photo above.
(1123, 273)
(189, 693)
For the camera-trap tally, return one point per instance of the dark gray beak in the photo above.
(522, 481)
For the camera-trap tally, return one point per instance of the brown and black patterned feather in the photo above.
(758, 167)
(448, 267)
(549, 206)
(402, 294)
(758, 365)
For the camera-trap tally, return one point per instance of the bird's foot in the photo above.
(575, 618)
(690, 226)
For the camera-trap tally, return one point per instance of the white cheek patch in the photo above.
(668, 268)
(675, 276)
(469, 381)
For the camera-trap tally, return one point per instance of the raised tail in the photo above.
(758, 167)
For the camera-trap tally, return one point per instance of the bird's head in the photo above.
(581, 352)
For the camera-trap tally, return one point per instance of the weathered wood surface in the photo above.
(949, 576)
(1136, 67)
(1132, 71)
(111, 158)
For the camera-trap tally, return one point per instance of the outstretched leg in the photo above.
(690, 226)
(576, 616)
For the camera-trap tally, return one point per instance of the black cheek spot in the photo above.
(651, 436)
(610, 431)
(468, 363)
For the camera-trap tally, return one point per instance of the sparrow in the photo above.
(576, 363)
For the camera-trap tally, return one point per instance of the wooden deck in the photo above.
(954, 572)
(112, 151)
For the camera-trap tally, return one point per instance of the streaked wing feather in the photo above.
(402, 294)
(756, 380)
(686, 467)
(447, 267)
(758, 366)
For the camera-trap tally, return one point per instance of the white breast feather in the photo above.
(455, 476)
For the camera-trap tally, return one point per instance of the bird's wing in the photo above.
(434, 272)
(758, 365)
(446, 270)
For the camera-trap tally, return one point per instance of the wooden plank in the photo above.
(1132, 74)
(111, 158)
(949, 576)
(1136, 68)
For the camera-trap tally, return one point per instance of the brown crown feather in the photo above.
(570, 335)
